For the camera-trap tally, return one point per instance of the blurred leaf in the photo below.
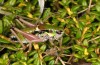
(78, 47)
(75, 8)
(94, 55)
(78, 56)
(46, 13)
(48, 58)
(5, 56)
(10, 3)
(66, 39)
(30, 60)
(34, 2)
(88, 35)
(63, 12)
(7, 21)
(84, 2)
(96, 63)
(78, 34)
(19, 63)
(85, 43)
(86, 51)
(37, 61)
(32, 53)
(43, 47)
(35, 55)
(98, 6)
(1, 26)
(1, 2)
(4, 41)
(51, 62)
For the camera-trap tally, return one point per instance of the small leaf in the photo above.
(36, 61)
(12, 2)
(30, 60)
(78, 34)
(1, 1)
(19, 63)
(29, 15)
(78, 47)
(98, 6)
(85, 42)
(51, 62)
(5, 56)
(1, 26)
(4, 41)
(43, 47)
(86, 51)
(84, 3)
(36, 46)
(94, 55)
(48, 58)
(78, 56)
(46, 13)
(96, 63)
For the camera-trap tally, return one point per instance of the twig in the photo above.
(18, 39)
(70, 58)
(94, 38)
(89, 7)
(63, 63)
(85, 9)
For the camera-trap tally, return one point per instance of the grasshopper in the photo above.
(39, 34)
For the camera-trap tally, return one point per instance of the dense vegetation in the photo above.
(79, 20)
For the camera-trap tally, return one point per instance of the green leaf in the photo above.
(19, 63)
(98, 6)
(32, 53)
(30, 60)
(78, 56)
(85, 42)
(88, 35)
(66, 39)
(46, 13)
(52, 62)
(78, 34)
(10, 47)
(43, 47)
(10, 3)
(4, 41)
(1, 26)
(93, 54)
(84, 3)
(35, 56)
(1, 1)
(96, 63)
(48, 58)
(5, 56)
(75, 8)
(78, 47)
(36, 61)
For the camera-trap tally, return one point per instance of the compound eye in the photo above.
(58, 31)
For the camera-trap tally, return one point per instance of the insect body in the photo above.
(44, 35)
(37, 35)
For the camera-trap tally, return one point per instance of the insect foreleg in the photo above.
(13, 32)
